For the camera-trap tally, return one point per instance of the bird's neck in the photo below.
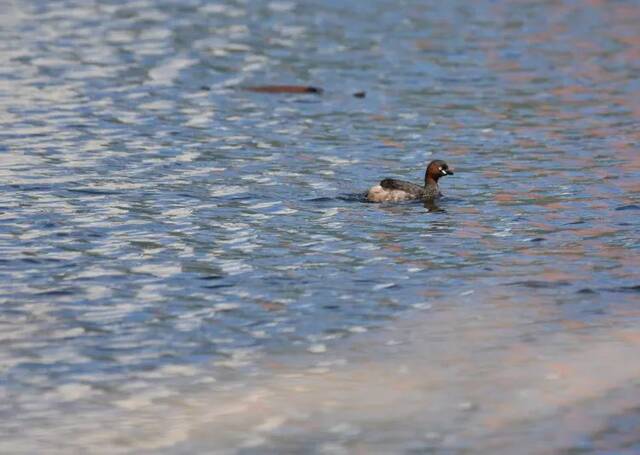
(430, 182)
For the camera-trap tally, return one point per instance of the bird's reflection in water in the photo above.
(432, 206)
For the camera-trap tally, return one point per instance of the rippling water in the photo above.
(169, 239)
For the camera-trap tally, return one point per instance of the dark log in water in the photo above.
(277, 89)
(284, 89)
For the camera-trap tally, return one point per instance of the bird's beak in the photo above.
(447, 171)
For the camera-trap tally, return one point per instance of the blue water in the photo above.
(159, 226)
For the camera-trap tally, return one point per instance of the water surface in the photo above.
(170, 244)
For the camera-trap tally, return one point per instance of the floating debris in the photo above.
(284, 89)
(278, 89)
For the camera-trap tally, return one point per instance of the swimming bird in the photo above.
(392, 190)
